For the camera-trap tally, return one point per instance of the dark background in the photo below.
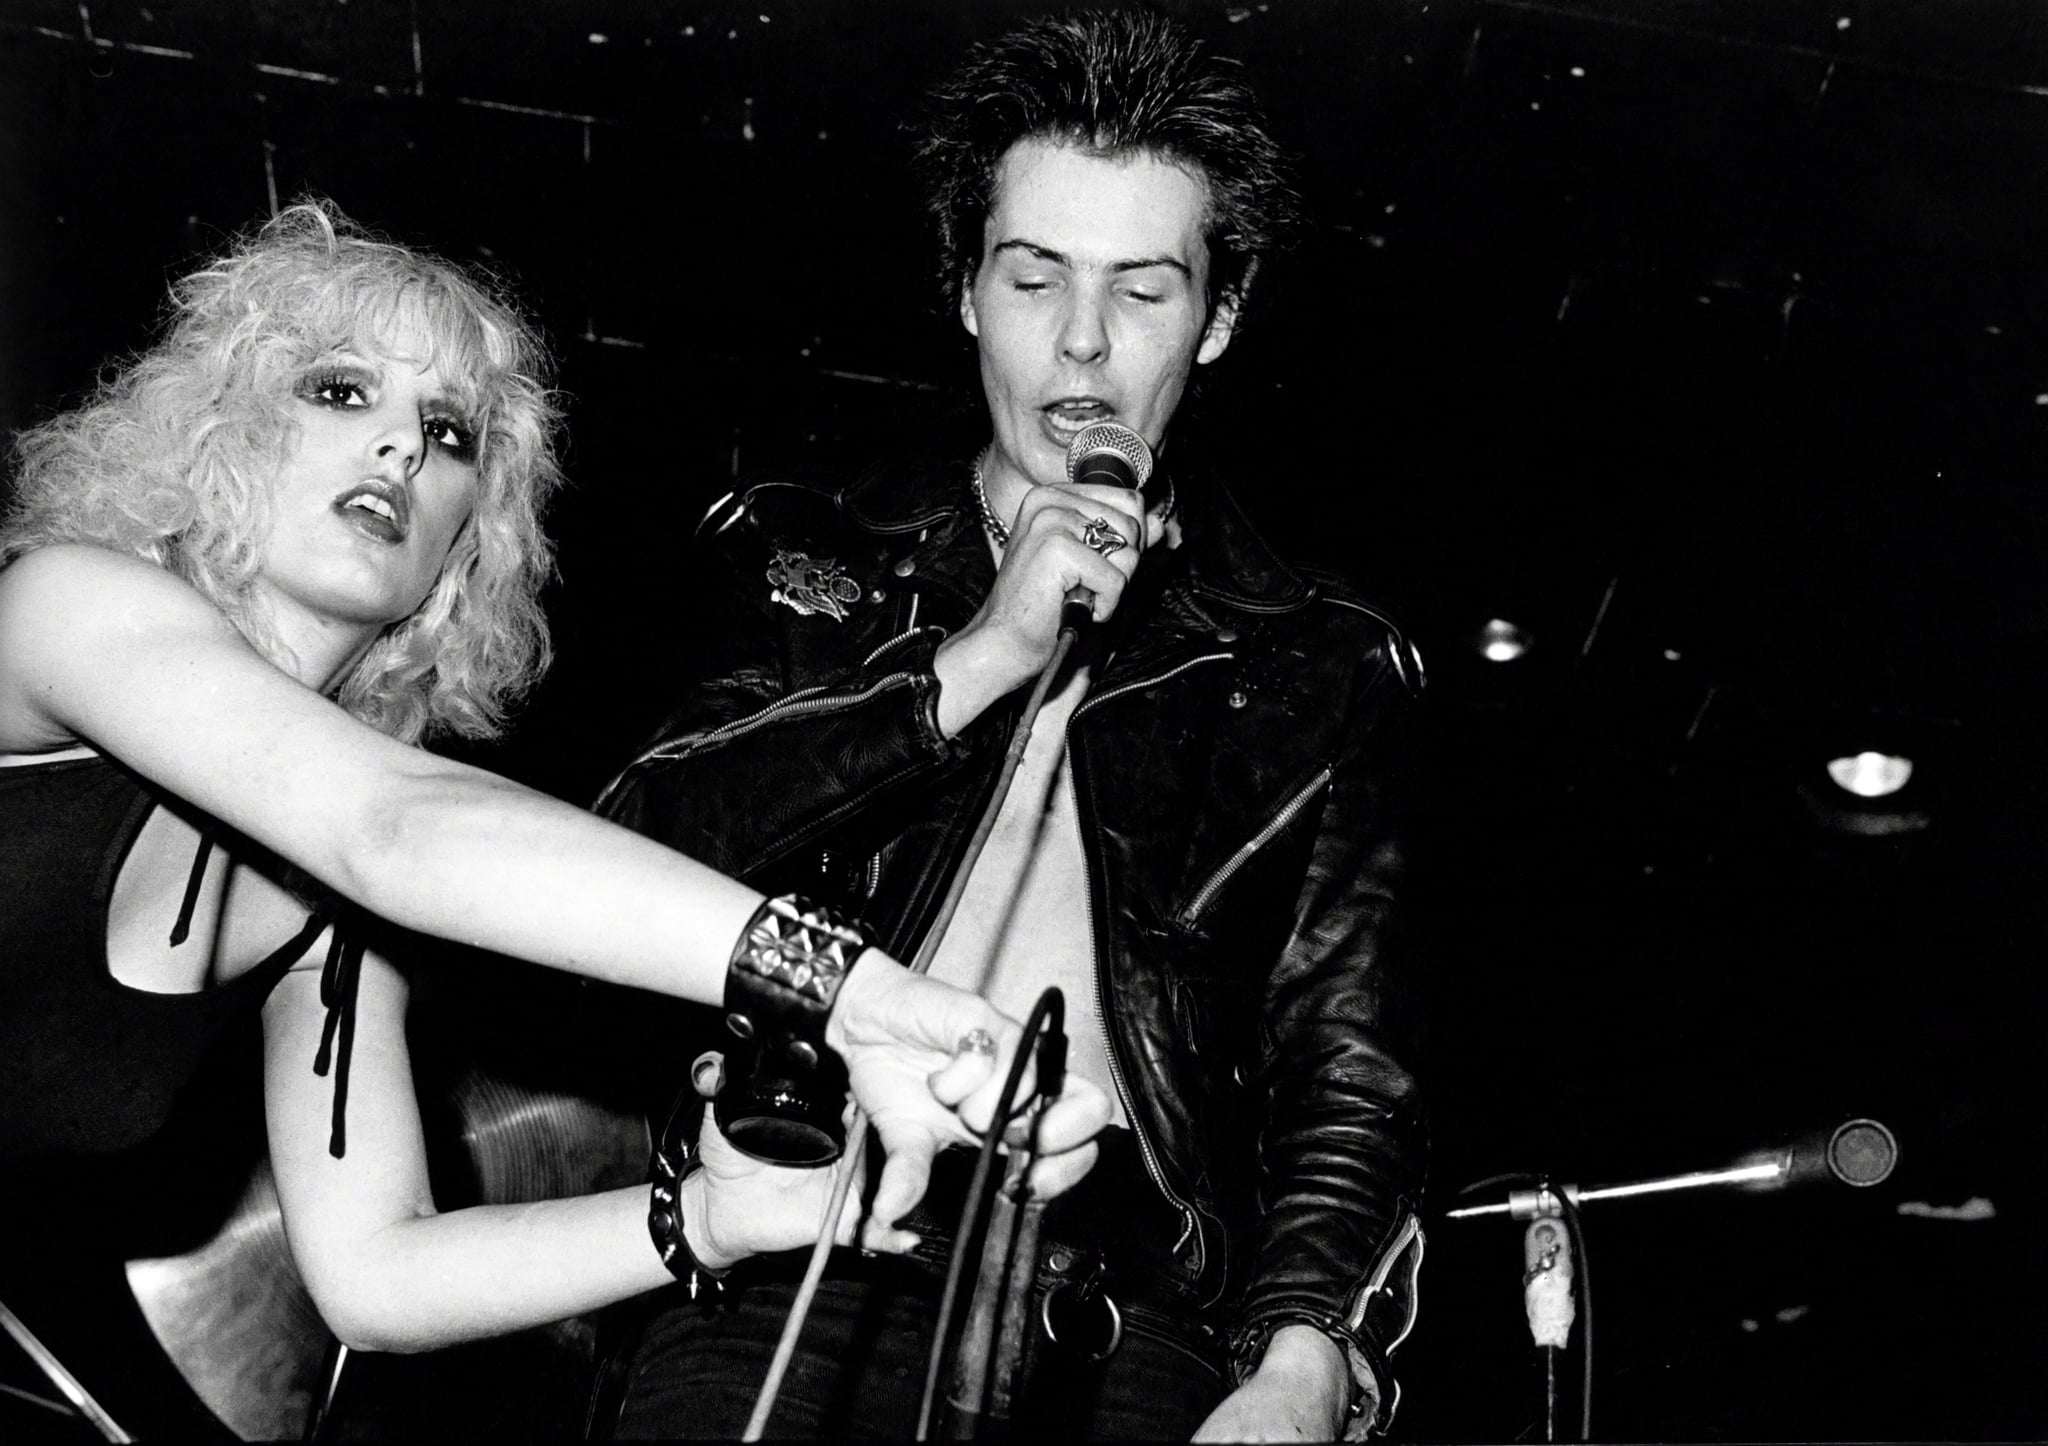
(1703, 339)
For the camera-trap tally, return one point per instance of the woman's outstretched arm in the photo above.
(113, 652)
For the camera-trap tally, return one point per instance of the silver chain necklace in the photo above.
(995, 525)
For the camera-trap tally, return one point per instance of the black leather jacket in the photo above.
(1239, 767)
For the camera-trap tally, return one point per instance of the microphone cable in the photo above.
(857, 1127)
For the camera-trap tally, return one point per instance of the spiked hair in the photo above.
(1116, 83)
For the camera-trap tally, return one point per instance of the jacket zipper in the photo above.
(1122, 688)
(907, 633)
(1258, 841)
(805, 701)
(1410, 1231)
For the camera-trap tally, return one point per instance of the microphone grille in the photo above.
(1114, 437)
(1862, 1152)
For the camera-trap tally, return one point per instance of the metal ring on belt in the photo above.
(1116, 1323)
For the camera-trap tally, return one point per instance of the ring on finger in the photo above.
(1102, 537)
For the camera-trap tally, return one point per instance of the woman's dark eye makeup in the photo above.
(335, 389)
(458, 438)
(347, 391)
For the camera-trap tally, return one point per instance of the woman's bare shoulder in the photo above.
(72, 564)
(70, 609)
(68, 589)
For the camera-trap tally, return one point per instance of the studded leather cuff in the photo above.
(785, 975)
(674, 1162)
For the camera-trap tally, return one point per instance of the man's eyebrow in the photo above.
(1032, 248)
(1141, 263)
(1060, 258)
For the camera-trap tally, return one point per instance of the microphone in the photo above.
(1111, 455)
(1859, 1153)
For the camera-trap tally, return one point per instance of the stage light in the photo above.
(1500, 641)
(1870, 774)
(1877, 772)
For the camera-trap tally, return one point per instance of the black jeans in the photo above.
(859, 1368)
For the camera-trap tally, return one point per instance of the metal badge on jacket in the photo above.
(811, 585)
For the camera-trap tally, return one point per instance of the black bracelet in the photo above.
(1363, 1360)
(674, 1162)
(786, 972)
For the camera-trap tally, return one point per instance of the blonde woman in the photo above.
(297, 538)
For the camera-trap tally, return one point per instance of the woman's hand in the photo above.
(737, 1205)
(927, 1062)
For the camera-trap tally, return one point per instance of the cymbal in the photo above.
(236, 1320)
(524, 1143)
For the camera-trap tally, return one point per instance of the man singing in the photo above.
(1204, 846)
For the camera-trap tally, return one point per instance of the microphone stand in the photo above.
(1029, 1212)
(1072, 617)
(1009, 1260)
(1859, 1153)
(990, 1355)
(1544, 1200)
(1555, 1281)
(1550, 1301)
(1556, 1285)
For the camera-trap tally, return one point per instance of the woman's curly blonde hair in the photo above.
(171, 459)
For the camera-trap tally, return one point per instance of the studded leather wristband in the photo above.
(785, 1093)
(674, 1162)
(785, 975)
